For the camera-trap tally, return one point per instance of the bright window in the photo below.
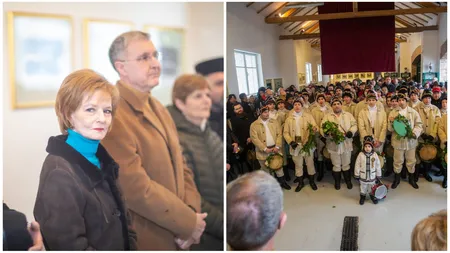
(319, 72)
(308, 73)
(247, 69)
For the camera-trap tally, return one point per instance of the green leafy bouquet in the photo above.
(332, 129)
(311, 143)
(404, 120)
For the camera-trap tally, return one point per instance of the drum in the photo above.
(428, 152)
(399, 128)
(274, 161)
(379, 190)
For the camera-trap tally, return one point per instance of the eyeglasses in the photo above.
(145, 57)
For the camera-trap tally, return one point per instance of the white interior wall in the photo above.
(288, 63)
(26, 131)
(405, 56)
(442, 24)
(430, 51)
(246, 30)
(304, 54)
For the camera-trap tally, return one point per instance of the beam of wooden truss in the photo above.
(313, 9)
(424, 13)
(291, 12)
(306, 13)
(403, 22)
(361, 14)
(295, 26)
(277, 9)
(407, 7)
(412, 20)
(397, 30)
(265, 6)
(312, 28)
(248, 5)
(398, 40)
(355, 7)
(426, 5)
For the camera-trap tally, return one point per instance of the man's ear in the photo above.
(283, 219)
(119, 66)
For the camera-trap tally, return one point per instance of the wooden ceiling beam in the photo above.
(265, 6)
(418, 5)
(316, 11)
(248, 5)
(295, 26)
(397, 30)
(398, 40)
(312, 28)
(417, 16)
(277, 9)
(403, 22)
(293, 12)
(307, 13)
(361, 14)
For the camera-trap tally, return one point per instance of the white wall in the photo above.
(430, 50)
(246, 30)
(26, 131)
(288, 63)
(405, 56)
(442, 29)
(304, 53)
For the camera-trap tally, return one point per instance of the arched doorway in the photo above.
(416, 68)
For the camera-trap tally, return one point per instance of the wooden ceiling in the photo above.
(304, 21)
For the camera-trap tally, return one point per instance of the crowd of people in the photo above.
(328, 126)
(127, 173)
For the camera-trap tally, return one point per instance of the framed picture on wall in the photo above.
(170, 43)
(301, 78)
(344, 76)
(356, 75)
(278, 83)
(363, 75)
(97, 38)
(269, 83)
(350, 76)
(338, 76)
(40, 52)
(369, 75)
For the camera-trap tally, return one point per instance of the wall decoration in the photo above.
(278, 83)
(338, 76)
(98, 36)
(369, 75)
(301, 78)
(40, 49)
(344, 76)
(356, 75)
(170, 43)
(269, 83)
(350, 76)
(363, 75)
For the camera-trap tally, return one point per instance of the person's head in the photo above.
(86, 103)
(264, 113)
(336, 104)
(271, 104)
(355, 82)
(252, 99)
(388, 80)
(371, 100)
(269, 93)
(243, 97)
(426, 97)
(192, 96)
(430, 234)
(368, 143)
(402, 100)
(290, 99)
(136, 60)
(232, 99)
(254, 211)
(280, 104)
(320, 98)
(338, 91)
(414, 96)
(305, 96)
(394, 101)
(347, 97)
(444, 103)
(298, 105)
(282, 92)
(238, 110)
(384, 89)
(362, 86)
(328, 96)
(436, 93)
(262, 91)
(212, 70)
(395, 81)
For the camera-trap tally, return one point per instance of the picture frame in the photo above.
(363, 75)
(350, 76)
(40, 58)
(356, 75)
(344, 76)
(301, 78)
(338, 76)
(278, 83)
(369, 75)
(98, 35)
(268, 83)
(170, 43)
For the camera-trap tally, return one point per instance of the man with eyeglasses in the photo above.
(156, 183)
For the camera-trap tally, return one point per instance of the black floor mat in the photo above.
(349, 240)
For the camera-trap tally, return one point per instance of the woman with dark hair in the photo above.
(260, 99)
(230, 101)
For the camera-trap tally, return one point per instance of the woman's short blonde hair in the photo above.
(186, 84)
(430, 234)
(73, 90)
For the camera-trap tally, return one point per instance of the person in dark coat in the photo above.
(245, 103)
(203, 152)
(213, 71)
(79, 205)
(260, 99)
(230, 101)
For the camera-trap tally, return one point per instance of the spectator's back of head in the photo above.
(254, 211)
(430, 234)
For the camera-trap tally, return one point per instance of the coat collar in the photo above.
(57, 146)
(136, 99)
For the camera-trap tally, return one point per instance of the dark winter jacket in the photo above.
(78, 205)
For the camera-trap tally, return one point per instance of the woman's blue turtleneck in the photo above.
(86, 147)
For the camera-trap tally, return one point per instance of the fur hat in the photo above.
(298, 100)
(426, 93)
(402, 96)
(318, 95)
(371, 96)
(368, 140)
(270, 101)
(264, 108)
(279, 101)
(336, 99)
(347, 94)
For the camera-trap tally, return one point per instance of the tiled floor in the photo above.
(315, 218)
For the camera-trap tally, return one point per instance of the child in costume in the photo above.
(367, 169)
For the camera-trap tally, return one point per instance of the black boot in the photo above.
(396, 180)
(374, 200)
(412, 182)
(416, 172)
(444, 182)
(286, 173)
(362, 199)
(337, 180)
(388, 165)
(283, 183)
(311, 182)
(300, 184)
(348, 179)
(320, 170)
(403, 172)
(426, 169)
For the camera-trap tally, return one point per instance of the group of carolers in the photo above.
(366, 123)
